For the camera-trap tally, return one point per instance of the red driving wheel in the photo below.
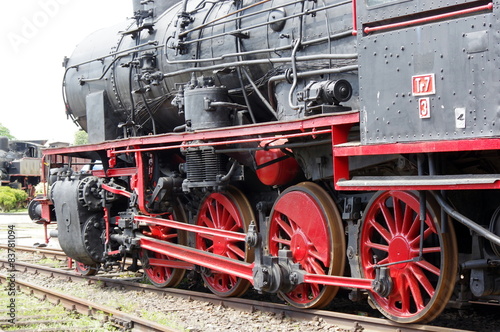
(306, 221)
(155, 265)
(228, 211)
(390, 233)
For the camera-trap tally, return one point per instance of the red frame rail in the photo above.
(429, 19)
(342, 151)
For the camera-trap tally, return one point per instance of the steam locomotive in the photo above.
(20, 164)
(294, 146)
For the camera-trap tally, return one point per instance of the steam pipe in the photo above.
(466, 221)
(265, 61)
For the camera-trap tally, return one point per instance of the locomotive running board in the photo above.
(430, 182)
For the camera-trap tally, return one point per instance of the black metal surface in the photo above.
(71, 218)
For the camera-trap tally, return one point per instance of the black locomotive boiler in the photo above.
(293, 146)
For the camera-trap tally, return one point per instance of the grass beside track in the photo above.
(32, 314)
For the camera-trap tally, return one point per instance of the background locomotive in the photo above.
(299, 146)
(20, 164)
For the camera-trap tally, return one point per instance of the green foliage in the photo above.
(11, 198)
(4, 131)
(81, 138)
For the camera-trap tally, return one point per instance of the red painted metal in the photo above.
(106, 222)
(161, 270)
(342, 151)
(192, 228)
(340, 164)
(354, 18)
(238, 268)
(139, 182)
(338, 281)
(264, 129)
(480, 144)
(116, 191)
(199, 257)
(430, 19)
(312, 133)
(170, 263)
(473, 186)
(298, 222)
(115, 172)
(274, 167)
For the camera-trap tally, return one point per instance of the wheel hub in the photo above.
(220, 245)
(300, 246)
(399, 250)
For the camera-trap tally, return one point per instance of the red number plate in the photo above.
(423, 85)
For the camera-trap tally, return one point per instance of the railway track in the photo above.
(44, 252)
(347, 322)
(117, 318)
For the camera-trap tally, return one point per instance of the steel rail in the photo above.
(89, 308)
(344, 321)
(41, 250)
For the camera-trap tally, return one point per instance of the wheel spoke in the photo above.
(404, 295)
(416, 241)
(235, 228)
(415, 291)
(429, 250)
(210, 248)
(284, 226)
(414, 229)
(398, 215)
(206, 236)
(423, 280)
(429, 267)
(226, 220)
(315, 267)
(316, 255)
(236, 250)
(315, 290)
(207, 222)
(381, 230)
(388, 218)
(408, 220)
(377, 246)
(213, 214)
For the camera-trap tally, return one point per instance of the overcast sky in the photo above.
(36, 35)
